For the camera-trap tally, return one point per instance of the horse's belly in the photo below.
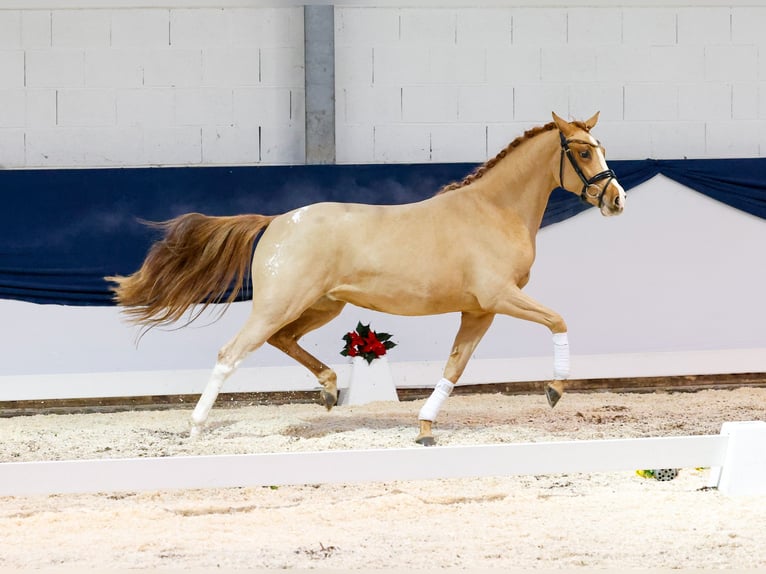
(404, 302)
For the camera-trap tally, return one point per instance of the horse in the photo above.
(469, 249)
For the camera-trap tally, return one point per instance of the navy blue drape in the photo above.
(62, 231)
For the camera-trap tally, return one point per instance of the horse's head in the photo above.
(582, 167)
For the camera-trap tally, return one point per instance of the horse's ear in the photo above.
(563, 125)
(590, 123)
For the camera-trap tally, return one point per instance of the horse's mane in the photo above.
(479, 172)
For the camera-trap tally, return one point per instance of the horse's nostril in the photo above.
(617, 201)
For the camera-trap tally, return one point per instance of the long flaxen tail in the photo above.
(200, 260)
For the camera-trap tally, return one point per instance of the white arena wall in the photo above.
(672, 287)
(668, 288)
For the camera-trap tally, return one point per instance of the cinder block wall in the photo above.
(151, 87)
(178, 86)
(419, 85)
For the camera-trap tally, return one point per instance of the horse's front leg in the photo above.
(472, 329)
(517, 304)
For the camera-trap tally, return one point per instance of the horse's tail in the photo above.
(200, 260)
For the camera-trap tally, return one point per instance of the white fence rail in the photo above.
(738, 456)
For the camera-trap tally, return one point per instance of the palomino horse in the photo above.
(469, 248)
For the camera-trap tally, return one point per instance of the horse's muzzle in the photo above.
(613, 201)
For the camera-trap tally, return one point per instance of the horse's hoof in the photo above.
(426, 440)
(329, 400)
(196, 430)
(552, 395)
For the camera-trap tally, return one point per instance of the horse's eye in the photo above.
(585, 154)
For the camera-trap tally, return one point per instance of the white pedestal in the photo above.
(744, 466)
(369, 383)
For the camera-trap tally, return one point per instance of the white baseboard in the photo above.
(406, 375)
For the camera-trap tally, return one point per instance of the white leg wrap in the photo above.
(210, 394)
(441, 391)
(560, 356)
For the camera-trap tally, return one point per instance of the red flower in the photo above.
(366, 343)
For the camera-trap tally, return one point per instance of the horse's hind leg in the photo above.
(258, 328)
(286, 340)
(473, 326)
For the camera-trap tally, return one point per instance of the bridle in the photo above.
(607, 174)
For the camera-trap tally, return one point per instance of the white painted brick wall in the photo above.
(151, 86)
(195, 86)
(666, 80)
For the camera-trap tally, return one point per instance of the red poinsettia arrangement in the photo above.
(366, 343)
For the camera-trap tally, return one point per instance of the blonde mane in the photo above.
(480, 171)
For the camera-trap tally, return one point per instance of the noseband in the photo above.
(607, 174)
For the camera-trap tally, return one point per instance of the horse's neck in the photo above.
(522, 181)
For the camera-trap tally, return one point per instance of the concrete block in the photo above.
(114, 68)
(276, 27)
(594, 26)
(481, 104)
(105, 147)
(536, 102)
(459, 143)
(499, 135)
(283, 145)
(230, 145)
(86, 107)
(744, 467)
(140, 28)
(731, 63)
(198, 28)
(151, 107)
(10, 29)
(648, 26)
(400, 65)
(563, 64)
(203, 106)
(734, 139)
(647, 102)
(428, 26)
(173, 146)
(625, 64)
(458, 65)
(540, 26)
(747, 24)
(587, 98)
(13, 108)
(484, 27)
(236, 66)
(57, 147)
(513, 64)
(405, 143)
(370, 105)
(84, 147)
(172, 67)
(80, 28)
(11, 69)
(707, 101)
(354, 144)
(677, 140)
(282, 66)
(52, 68)
(40, 108)
(677, 63)
(12, 148)
(744, 104)
(704, 25)
(253, 107)
(353, 66)
(359, 27)
(625, 140)
(429, 104)
(35, 29)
